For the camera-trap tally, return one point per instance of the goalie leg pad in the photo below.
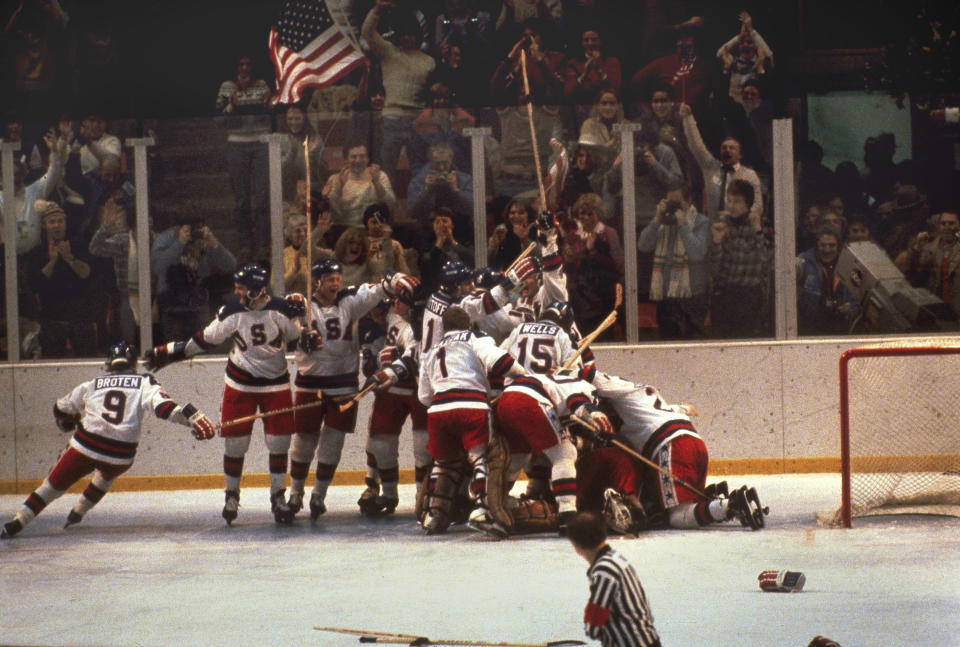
(498, 459)
(440, 497)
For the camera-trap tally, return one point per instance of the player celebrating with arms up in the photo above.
(105, 416)
(256, 377)
(329, 363)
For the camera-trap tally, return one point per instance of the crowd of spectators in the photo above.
(393, 189)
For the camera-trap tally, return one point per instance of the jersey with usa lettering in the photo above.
(454, 373)
(111, 408)
(257, 362)
(333, 367)
(401, 336)
(539, 347)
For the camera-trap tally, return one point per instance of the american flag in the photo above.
(309, 50)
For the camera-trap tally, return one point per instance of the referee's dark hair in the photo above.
(587, 530)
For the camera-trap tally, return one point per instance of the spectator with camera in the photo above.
(824, 304)
(678, 237)
(190, 242)
(440, 184)
(512, 236)
(739, 255)
(386, 253)
(444, 247)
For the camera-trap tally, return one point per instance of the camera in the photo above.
(669, 215)
(196, 233)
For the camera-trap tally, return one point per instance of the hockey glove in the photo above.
(388, 355)
(590, 412)
(383, 379)
(296, 305)
(203, 427)
(160, 356)
(310, 340)
(782, 581)
(400, 283)
(547, 232)
(521, 272)
(65, 421)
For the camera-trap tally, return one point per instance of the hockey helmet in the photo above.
(487, 277)
(453, 274)
(252, 276)
(121, 357)
(560, 313)
(322, 268)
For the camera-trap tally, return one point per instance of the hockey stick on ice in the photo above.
(384, 637)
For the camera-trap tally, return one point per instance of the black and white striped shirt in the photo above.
(617, 613)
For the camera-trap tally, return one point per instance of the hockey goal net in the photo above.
(900, 429)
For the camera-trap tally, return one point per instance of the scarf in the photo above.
(678, 266)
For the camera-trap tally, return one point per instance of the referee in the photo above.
(617, 613)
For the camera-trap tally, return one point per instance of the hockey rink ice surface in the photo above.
(161, 569)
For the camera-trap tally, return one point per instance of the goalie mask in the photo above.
(121, 357)
(621, 517)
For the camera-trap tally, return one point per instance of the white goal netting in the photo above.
(900, 413)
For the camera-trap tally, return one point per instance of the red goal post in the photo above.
(900, 429)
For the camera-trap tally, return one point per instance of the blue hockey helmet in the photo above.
(487, 277)
(252, 276)
(453, 274)
(322, 268)
(560, 313)
(122, 356)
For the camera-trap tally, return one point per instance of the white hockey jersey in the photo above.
(648, 420)
(561, 394)
(477, 306)
(400, 335)
(333, 368)
(111, 408)
(257, 362)
(539, 347)
(454, 373)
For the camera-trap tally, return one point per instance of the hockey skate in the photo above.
(436, 522)
(717, 490)
(231, 504)
(10, 529)
(481, 521)
(317, 506)
(745, 505)
(73, 518)
(295, 502)
(281, 510)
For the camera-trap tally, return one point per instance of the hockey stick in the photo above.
(384, 637)
(616, 442)
(309, 241)
(589, 339)
(533, 130)
(274, 412)
(352, 401)
(363, 632)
